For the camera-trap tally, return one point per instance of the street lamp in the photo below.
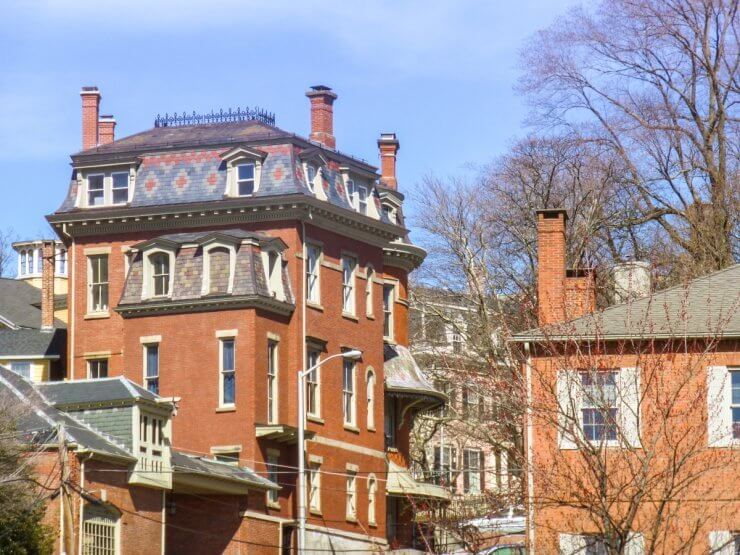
(351, 355)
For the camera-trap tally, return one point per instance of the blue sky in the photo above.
(438, 73)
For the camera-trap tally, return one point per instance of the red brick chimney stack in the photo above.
(551, 265)
(388, 145)
(90, 114)
(322, 115)
(48, 252)
(106, 129)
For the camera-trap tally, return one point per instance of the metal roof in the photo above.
(708, 306)
(101, 390)
(403, 375)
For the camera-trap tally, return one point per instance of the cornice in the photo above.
(226, 212)
(403, 255)
(204, 304)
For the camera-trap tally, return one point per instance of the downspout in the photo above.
(164, 519)
(530, 452)
(303, 336)
(71, 305)
(82, 501)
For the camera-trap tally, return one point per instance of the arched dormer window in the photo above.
(159, 267)
(219, 263)
(272, 260)
(370, 397)
(243, 171)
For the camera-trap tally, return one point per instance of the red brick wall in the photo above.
(551, 266)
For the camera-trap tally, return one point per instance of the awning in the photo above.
(401, 483)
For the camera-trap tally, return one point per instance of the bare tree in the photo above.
(655, 83)
(6, 252)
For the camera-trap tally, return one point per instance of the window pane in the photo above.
(152, 360)
(227, 346)
(229, 387)
(120, 188)
(736, 423)
(246, 171)
(95, 190)
(22, 368)
(735, 387)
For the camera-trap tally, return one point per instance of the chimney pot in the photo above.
(90, 116)
(322, 115)
(388, 145)
(48, 258)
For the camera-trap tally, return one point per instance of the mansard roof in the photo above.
(250, 286)
(404, 377)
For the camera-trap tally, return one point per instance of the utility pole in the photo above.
(65, 503)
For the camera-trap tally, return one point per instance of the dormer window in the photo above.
(108, 189)
(362, 200)
(160, 274)
(310, 175)
(120, 187)
(95, 190)
(273, 263)
(351, 193)
(219, 264)
(245, 179)
(390, 213)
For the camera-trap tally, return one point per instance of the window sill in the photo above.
(371, 429)
(273, 505)
(351, 428)
(96, 315)
(316, 512)
(351, 519)
(349, 316)
(229, 408)
(315, 306)
(370, 316)
(372, 524)
(313, 418)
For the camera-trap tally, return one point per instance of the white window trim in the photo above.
(221, 403)
(232, 174)
(319, 260)
(352, 309)
(116, 527)
(206, 286)
(83, 186)
(92, 360)
(317, 396)
(153, 341)
(90, 307)
(372, 493)
(351, 488)
(353, 405)
(369, 291)
(273, 460)
(147, 288)
(392, 310)
(719, 407)
(314, 486)
(128, 187)
(273, 389)
(370, 399)
(274, 281)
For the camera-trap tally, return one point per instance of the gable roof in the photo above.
(708, 306)
(40, 420)
(20, 304)
(32, 343)
(100, 390)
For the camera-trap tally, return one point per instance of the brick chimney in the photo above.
(388, 146)
(90, 116)
(48, 252)
(551, 265)
(561, 294)
(322, 115)
(106, 129)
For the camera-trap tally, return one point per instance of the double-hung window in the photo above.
(351, 494)
(388, 291)
(119, 187)
(351, 190)
(314, 487)
(160, 268)
(735, 384)
(348, 392)
(96, 190)
(349, 265)
(313, 265)
(272, 381)
(313, 392)
(444, 465)
(245, 179)
(151, 370)
(372, 494)
(227, 372)
(98, 283)
(473, 476)
(273, 474)
(599, 407)
(369, 309)
(97, 368)
(61, 262)
(362, 199)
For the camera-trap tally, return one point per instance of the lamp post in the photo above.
(351, 355)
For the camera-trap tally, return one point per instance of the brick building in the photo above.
(633, 426)
(212, 257)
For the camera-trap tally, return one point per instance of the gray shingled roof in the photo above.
(194, 464)
(31, 342)
(705, 307)
(40, 420)
(20, 304)
(403, 375)
(80, 392)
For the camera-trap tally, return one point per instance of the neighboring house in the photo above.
(213, 256)
(124, 488)
(638, 404)
(461, 442)
(33, 314)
